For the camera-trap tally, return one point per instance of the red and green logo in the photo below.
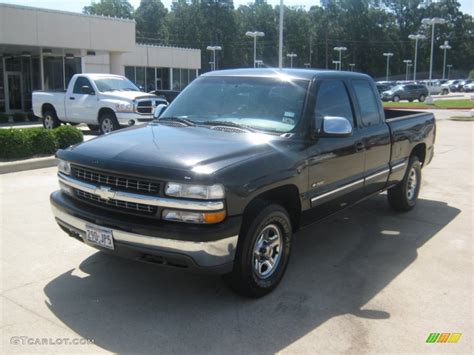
(443, 337)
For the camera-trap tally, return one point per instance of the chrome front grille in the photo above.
(118, 183)
(138, 207)
(145, 106)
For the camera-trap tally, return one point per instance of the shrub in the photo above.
(14, 144)
(42, 141)
(20, 143)
(19, 117)
(67, 136)
(4, 118)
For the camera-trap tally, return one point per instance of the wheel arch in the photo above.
(286, 196)
(48, 107)
(103, 111)
(420, 152)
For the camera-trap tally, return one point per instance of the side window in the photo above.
(332, 100)
(80, 82)
(368, 105)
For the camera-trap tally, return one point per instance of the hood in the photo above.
(126, 95)
(162, 151)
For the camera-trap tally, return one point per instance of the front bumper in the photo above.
(162, 243)
(126, 118)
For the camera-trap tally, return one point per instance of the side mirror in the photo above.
(159, 110)
(334, 126)
(87, 90)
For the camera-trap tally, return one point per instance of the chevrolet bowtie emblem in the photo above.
(104, 193)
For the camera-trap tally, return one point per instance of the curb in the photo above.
(28, 164)
(428, 108)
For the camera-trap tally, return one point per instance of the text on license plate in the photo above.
(100, 236)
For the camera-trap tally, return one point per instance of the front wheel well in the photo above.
(286, 196)
(105, 110)
(420, 152)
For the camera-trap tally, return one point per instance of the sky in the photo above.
(467, 6)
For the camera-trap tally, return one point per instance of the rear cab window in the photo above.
(367, 102)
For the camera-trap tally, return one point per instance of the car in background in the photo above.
(454, 85)
(434, 87)
(168, 95)
(463, 83)
(469, 87)
(408, 92)
(383, 87)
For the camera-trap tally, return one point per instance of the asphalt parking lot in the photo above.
(365, 280)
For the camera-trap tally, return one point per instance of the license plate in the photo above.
(100, 236)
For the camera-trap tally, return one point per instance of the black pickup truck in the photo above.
(238, 163)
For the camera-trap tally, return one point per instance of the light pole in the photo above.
(416, 38)
(336, 62)
(254, 35)
(214, 49)
(445, 47)
(432, 22)
(352, 65)
(291, 56)
(340, 50)
(449, 66)
(407, 62)
(388, 55)
(280, 38)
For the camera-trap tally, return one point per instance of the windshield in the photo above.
(115, 84)
(268, 104)
(398, 87)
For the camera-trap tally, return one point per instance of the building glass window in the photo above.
(192, 75)
(184, 78)
(163, 78)
(140, 78)
(72, 66)
(130, 73)
(36, 77)
(176, 79)
(26, 77)
(53, 73)
(2, 89)
(13, 64)
(150, 79)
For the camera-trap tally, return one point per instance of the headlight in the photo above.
(193, 217)
(201, 192)
(124, 107)
(64, 167)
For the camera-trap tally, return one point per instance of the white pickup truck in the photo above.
(103, 101)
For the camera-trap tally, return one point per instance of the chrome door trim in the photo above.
(360, 181)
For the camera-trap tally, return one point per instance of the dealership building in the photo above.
(42, 49)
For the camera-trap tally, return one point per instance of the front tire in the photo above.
(263, 250)
(108, 123)
(403, 197)
(50, 120)
(422, 98)
(396, 98)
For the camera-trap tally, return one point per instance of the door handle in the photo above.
(359, 146)
(72, 98)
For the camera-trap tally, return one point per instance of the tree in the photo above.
(113, 8)
(151, 18)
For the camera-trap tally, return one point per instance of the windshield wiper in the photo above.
(177, 119)
(227, 124)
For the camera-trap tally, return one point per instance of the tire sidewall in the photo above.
(272, 214)
(50, 115)
(422, 98)
(111, 117)
(396, 98)
(414, 163)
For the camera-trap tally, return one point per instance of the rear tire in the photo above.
(396, 98)
(445, 92)
(50, 120)
(108, 123)
(410, 100)
(422, 98)
(263, 250)
(403, 197)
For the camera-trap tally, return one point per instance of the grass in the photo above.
(437, 104)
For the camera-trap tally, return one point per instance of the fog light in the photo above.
(66, 189)
(193, 217)
(131, 122)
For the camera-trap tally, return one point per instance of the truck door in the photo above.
(376, 135)
(336, 164)
(81, 106)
